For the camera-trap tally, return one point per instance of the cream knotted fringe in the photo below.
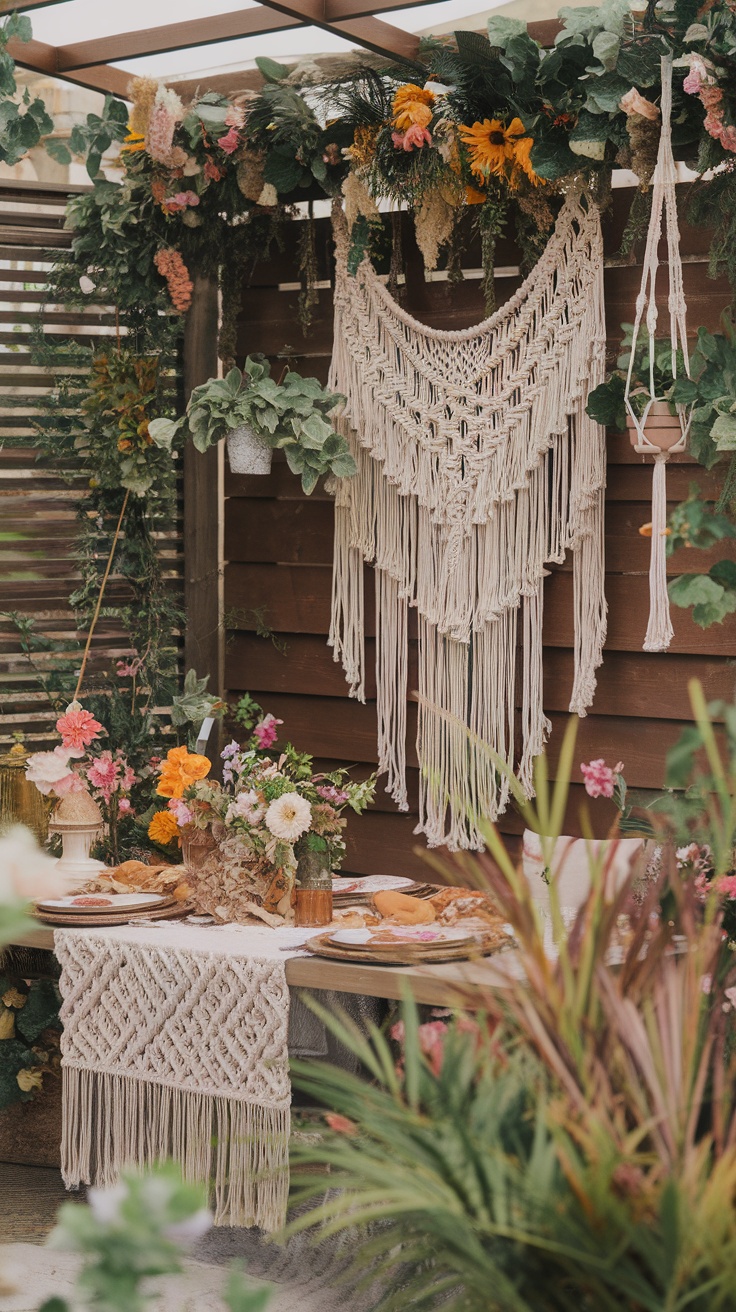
(176, 1053)
(664, 201)
(477, 466)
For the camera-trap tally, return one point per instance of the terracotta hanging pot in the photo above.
(661, 428)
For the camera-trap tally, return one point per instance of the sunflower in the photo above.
(499, 151)
(180, 769)
(412, 106)
(163, 828)
(134, 141)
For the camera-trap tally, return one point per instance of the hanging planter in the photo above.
(248, 452)
(656, 430)
(661, 428)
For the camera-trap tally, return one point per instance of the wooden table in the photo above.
(438, 986)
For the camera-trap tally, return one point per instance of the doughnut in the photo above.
(403, 909)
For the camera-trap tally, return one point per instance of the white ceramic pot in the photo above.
(248, 452)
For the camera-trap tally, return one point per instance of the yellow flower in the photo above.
(363, 148)
(7, 1023)
(180, 769)
(499, 151)
(163, 828)
(28, 1080)
(14, 998)
(134, 141)
(412, 104)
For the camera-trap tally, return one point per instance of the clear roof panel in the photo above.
(78, 20)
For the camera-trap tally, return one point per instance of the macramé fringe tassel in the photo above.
(114, 1122)
(659, 629)
(477, 467)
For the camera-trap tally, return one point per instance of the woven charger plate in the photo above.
(407, 954)
(172, 911)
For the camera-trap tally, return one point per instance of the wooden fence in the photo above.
(40, 500)
(278, 552)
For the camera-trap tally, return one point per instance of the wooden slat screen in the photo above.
(39, 501)
(278, 551)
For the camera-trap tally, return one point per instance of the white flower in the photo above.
(26, 872)
(269, 195)
(167, 97)
(47, 769)
(247, 806)
(289, 816)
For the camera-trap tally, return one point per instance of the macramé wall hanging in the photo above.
(477, 466)
(654, 430)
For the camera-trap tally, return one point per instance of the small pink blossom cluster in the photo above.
(128, 669)
(182, 199)
(166, 113)
(180, 811)
(110, 774)
(338, 796)
(266, 732)
(701, 82)
(432, 1037)
(415, 137)
(230, 142)
(599, 778)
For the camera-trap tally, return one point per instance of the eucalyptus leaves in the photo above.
(289, 415)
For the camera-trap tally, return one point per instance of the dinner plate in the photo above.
(94, 903)
(386, 939)
(370, 883)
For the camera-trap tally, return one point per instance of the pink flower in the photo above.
(230, 141)
(330, 793)
(599, 778)
(727, 885)
(235, 117)
(266, 732)
(212, 172)
(414, 136)
(634, 103)
(104, 775)
(180, 201)
(342, 1124)
(125, 806)
(180, 811)
(78, 729)
(127, 669)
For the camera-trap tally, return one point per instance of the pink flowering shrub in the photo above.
(266, 732)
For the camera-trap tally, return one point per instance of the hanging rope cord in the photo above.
(664, 204)
(101, 593)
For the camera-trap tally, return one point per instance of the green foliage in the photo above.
(29, 1029)
(711, 391)
(248, 712)
(133, 1234)
(564, 1150)
(194, 704)
(651, 376)
(288, 415)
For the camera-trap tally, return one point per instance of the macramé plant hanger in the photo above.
(655, 431)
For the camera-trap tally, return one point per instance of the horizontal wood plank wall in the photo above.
(278, 553)
(39, 500)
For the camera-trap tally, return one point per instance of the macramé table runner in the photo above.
(175, 1045)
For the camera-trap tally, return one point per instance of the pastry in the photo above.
(403, 909)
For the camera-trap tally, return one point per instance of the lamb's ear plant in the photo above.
(578, 1149)
(291, 415)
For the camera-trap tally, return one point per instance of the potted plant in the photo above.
(650, 395)
(257, 415)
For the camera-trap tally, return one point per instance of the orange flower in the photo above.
(646, 531)
(180, 769)
(473, 196)
(163, 828)
(134, 141)
(412, 105)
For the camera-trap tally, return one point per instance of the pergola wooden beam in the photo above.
(41, 58)
(370, 32)
(174, 36)
(8, 6)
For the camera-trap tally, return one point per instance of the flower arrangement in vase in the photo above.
(270, 810)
